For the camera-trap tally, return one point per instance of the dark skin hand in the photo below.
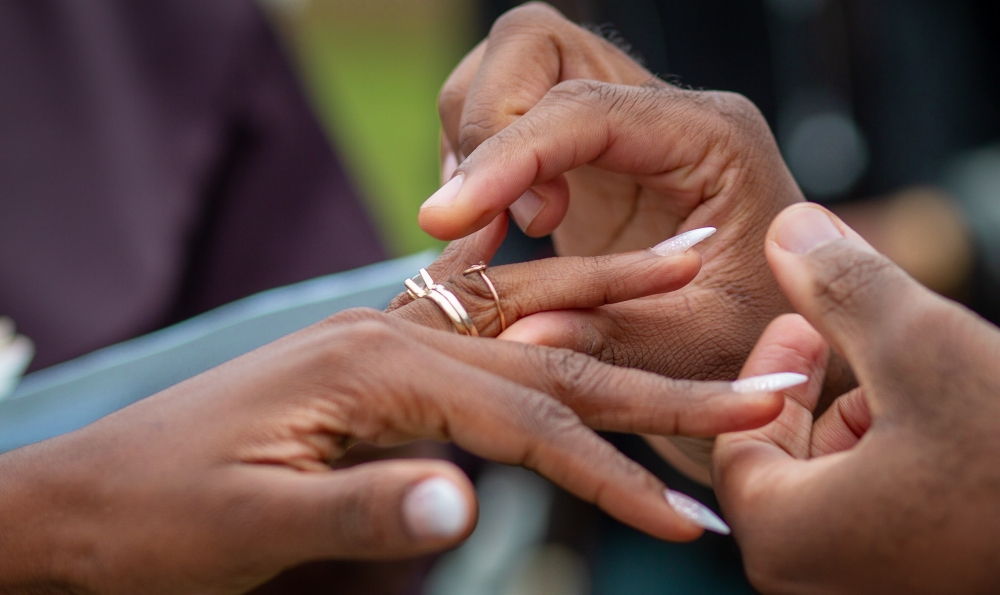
(895, 488)
(577, 139)
(617, 160)
(219, 483)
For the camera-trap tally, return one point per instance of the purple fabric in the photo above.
(157, 159)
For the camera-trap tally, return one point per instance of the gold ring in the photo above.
(481, 269)
(423, 286)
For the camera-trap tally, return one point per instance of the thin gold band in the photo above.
(481, 269)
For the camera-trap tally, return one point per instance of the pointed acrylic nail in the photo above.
(696, 512)
(768, 383)
(682, 243)
(446, 195)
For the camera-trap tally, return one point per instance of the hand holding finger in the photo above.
(530, 49)
(563, 283)
(461, 254)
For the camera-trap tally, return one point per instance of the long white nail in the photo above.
(525, 209)
(768, 383)
(436, 508)
(696, 512)
(682, 243)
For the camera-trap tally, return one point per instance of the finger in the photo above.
(679, 141)
(379, 510)
(842, 425)
(611, 398)
(860, 301)
(531, 49)
(460, 255)
(397, 389)
(564, 283)
(505, 421)
(451, 100)
(583, 331)
(789, 343)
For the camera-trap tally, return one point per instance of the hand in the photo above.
(617, 162)
(220, 482)
(895, 488)
(553, 284)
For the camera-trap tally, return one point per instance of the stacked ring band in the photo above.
(481, 269)
(423, 286)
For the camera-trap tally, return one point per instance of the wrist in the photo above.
(32, 553)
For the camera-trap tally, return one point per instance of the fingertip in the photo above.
(437, 508)
(549, 329)
(451, 223)
(542, 207)
(696, 513)
(761, 409)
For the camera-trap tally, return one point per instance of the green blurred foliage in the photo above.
(374, 69)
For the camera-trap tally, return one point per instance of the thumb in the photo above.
(856, 298)
(379, 510)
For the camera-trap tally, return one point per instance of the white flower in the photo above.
(16, 352)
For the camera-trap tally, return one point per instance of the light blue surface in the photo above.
(71, 395)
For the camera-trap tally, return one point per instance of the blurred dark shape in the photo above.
(157, 159)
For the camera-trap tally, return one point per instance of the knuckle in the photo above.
(583, 91)
(552, 422)
(849, 278)
(478, 125)
(735, 117)
(370, 337)
(399, 301)
(738, 108)
(341, 338)
(572, 372)
(474, 294)
(450, 100)
(625, 103)
(356, 519)
(531, 14)
(354, 315)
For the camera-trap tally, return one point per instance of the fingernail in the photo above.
(696, 512)
(682, 243)
(436, 508)
(446, 195)
(448, 166)
(525, 209)
(768, 383)
(805, 228)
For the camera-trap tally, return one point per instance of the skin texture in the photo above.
(217, 484)
(894, 489)
(622, 161)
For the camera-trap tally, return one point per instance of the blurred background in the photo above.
(159, 159)
(373, 69)
(888, 111)
(885, 109)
